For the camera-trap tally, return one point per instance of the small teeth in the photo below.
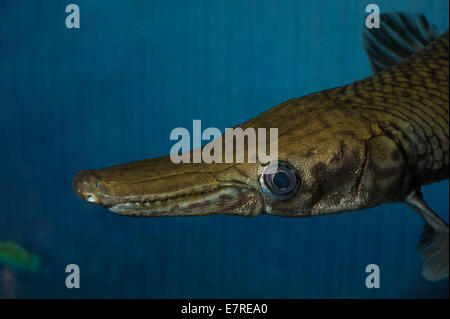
(198, 205)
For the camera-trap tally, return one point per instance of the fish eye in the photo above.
(278, 181)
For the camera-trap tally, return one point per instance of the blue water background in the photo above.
(112, 91)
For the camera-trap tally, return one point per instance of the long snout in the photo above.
(159, 187)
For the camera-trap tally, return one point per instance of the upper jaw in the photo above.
(158, 187)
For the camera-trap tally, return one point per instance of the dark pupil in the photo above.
(281, 180)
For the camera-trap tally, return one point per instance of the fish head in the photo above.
(318, 169)
(330, 159)
(160, 187)
(322, 174)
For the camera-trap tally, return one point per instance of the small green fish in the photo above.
(14, 255)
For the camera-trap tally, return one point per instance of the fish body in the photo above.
(374, 141)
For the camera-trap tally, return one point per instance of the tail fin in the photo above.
(433, 242)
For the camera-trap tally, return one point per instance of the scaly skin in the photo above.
(354, 147)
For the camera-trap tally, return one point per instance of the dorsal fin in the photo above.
(399, 36)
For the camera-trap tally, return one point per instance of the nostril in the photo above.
(86, 185)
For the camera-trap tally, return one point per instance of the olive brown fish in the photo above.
(374, 141)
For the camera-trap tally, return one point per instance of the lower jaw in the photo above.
(134, 209)
(228, 200)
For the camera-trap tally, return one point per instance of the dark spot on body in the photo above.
(318, 170)
(396, 155)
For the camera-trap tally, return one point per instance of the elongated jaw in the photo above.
(158, 187)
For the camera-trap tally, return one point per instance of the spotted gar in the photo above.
(374, 141)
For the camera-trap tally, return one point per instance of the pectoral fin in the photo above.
(434, 240)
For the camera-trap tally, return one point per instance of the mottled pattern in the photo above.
(410, 103)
